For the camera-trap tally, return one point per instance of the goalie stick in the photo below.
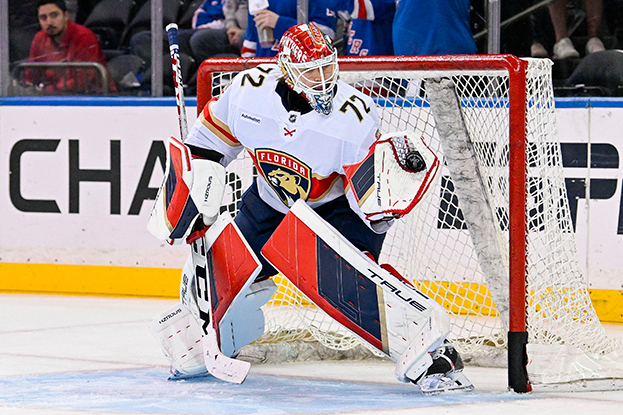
(174, 48)
(217, 364)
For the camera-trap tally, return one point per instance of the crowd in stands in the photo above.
(578, 35)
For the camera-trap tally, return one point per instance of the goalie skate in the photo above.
(446, 372)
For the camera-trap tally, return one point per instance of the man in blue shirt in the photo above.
(433, 27)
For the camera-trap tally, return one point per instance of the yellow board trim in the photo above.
(164, 283)
(460, 298)
(90, 280)
(608, 304)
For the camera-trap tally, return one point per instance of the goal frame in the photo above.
(516, 68)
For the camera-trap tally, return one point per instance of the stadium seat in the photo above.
(188, 69)
(127, 71)
(600, 73)
(109, 20)
(187, 12)
(142, 19)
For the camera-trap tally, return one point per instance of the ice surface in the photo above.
(95, 356)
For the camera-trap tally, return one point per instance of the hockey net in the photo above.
(496, 222)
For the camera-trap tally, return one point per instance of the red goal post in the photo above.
(504, 109)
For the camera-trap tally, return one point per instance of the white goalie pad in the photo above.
(190, 187)
(394, 177)
(222, 264)
(383, 310)
(243, 321)
(218, 287)
(179, 335)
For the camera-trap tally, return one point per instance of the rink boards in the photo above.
(79, 175)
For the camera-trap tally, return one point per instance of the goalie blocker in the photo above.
(191, 187)
(382, 309)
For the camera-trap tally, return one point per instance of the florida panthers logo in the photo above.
(289, 177)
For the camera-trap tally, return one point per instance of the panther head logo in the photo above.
(289, 177)
(287, 181)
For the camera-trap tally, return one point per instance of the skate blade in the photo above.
(449, 383)
(176, 375)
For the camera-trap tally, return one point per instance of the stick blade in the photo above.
(221, 366)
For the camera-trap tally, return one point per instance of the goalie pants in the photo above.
(257, 222)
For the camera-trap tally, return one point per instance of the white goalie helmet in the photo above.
(308, 61)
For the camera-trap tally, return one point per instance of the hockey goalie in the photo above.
(329, 187)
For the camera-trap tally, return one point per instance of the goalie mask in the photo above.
(309, 65)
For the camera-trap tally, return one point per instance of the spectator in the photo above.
(370, 28)
(61, 40)
(280, 16)
(564, 48)
(217, 29)
(369, 33)
(219, 41)
(433, 27)
(541, 30)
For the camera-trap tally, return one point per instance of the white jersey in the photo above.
(296, 155)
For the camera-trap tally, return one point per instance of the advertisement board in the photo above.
(78, 179)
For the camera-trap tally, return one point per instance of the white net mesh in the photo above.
(431, 246)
